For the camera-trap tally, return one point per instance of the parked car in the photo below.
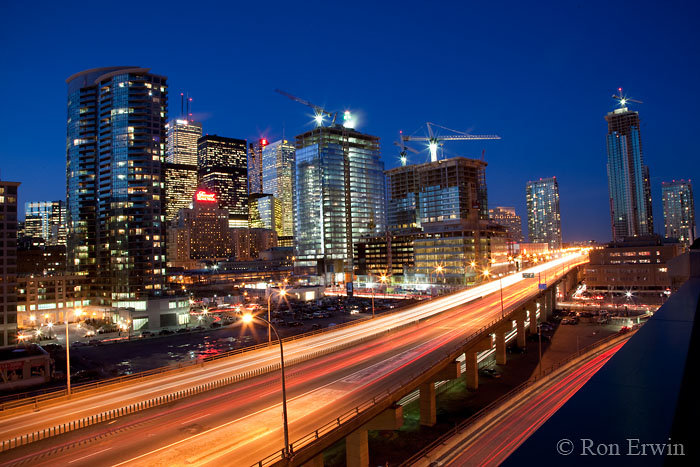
(95, 342)
(296, 323)
(182, 330)
(315, 326)
(78, 344)
(165, 332)
(147, 334)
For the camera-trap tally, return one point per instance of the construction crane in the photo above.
(622, 100)
(319, 112)
(403, 154)
(434, 141)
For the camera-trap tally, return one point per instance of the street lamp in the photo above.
(383, 278)
(282, 293)
(248, 318)
(77, 312)
(487, 274)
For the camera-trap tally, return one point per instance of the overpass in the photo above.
(342, 383)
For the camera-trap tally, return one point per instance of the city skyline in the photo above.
(525, 112)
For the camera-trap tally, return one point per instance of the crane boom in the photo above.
(451, 137)
(318, 110)
(434, 141)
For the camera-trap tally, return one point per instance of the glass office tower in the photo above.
(679, 210)
(543, 215)
(628, 177)
(278, 169)
(223, 170)
(180, 165)
(47, 220)
(115, 148)
(339, 192)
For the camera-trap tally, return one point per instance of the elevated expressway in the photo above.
(339, 383)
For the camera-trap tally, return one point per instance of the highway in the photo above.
(240, 424)
(492, 438)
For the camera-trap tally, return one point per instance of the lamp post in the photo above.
(282, 293)
(382, 279)
(248, 318)
(78, 312)
(438, 270)
(487, 274)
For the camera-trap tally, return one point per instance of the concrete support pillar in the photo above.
(533, 320)
(520, 325)
(315, 462)
(428, 409)
(500, 347)
(357, 449)
(472, 370)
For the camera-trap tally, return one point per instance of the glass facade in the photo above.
(507, 217)
(448, 190)
(543, 215)
(679, 210)
(339, 191)
(8, 263)
(628, 177)
(47, 220)
(278, 168)
(265, 212)
(223, 170)
(115, 148)
(181, 165)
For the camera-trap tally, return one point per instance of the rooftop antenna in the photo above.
(189, 110)
(623, 100)
(182, 104)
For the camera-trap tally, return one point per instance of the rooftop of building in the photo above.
(430, 165)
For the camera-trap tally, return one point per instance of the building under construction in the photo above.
(438, 218)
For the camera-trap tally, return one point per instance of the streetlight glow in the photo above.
(247, 318)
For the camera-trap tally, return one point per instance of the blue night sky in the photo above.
(539, 75)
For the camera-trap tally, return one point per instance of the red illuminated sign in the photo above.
(263, 142)
(205, 196)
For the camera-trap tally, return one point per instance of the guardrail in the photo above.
(86, 421)
(33, 399)
(510, 394)
(387, 394)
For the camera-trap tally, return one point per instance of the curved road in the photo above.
(241, 423)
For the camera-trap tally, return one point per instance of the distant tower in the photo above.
(679, 210)
(47, 220)
(507, 217)
(255, 166)
(543, 218)
(278, 180)
(628, 177)
(223, 170)
(180, 165)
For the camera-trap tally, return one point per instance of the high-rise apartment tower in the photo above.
(115, 148)
(543, 217)
(679, 210)
(628, 177)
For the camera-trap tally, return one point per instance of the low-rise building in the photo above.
(635, 268)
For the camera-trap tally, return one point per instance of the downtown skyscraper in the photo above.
(628, 177)
(278, 168)
(679, 210)
(115, 148)
(339, 190)
(507, 217)
(223, 170)
(543, 215)
(180, 164)
(47, 220)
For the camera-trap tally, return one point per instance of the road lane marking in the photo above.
(196, 418)
(89, 455)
